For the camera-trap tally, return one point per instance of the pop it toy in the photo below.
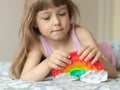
(80, 69)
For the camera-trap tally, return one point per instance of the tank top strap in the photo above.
(75, 40)
(47, 48)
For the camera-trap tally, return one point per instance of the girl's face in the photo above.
(53, 23)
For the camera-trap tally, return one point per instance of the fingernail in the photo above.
(92, 62)
(80, 58)
(69, 56)
(78, 53)
(86, 59)
(70, 62)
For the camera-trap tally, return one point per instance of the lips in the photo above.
(58, 30)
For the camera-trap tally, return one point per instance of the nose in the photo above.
(56, 20)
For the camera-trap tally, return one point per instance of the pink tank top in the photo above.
(48, 49)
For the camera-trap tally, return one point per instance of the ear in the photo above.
(35, 24)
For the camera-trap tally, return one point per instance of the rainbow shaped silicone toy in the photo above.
(80, 69)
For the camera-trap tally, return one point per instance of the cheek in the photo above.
(66, 20)
(41, 26)
(66, 23)
(44, 30)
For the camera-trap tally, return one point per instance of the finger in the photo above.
(60, 63)
(82, 50)
(66, 55)
(91, 55)
(55, 66)
(63, 59)
(86, 53)
(97, 57)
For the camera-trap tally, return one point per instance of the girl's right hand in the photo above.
(58, 60)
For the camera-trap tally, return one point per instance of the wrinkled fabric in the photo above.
(116, 49)
(107, 50)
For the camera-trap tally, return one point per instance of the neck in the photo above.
(61, 44)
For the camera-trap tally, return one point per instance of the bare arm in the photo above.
(87, 39)
(34, 70)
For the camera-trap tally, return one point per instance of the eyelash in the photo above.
(47, 18)
(61, 14)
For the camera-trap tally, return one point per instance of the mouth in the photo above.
(58, 30)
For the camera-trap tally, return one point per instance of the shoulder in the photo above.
(82, 32)
(35, 50)
(84, 36)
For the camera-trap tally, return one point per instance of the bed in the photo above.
(48, 84)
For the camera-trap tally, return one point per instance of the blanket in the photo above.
(49, 84)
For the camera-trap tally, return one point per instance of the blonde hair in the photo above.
(29, 34)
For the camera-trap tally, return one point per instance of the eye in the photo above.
(46, 18)
(62, 14)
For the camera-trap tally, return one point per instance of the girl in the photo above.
(47, 31)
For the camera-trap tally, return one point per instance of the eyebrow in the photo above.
(64, 7)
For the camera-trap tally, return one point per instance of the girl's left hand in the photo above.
(88, 52)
